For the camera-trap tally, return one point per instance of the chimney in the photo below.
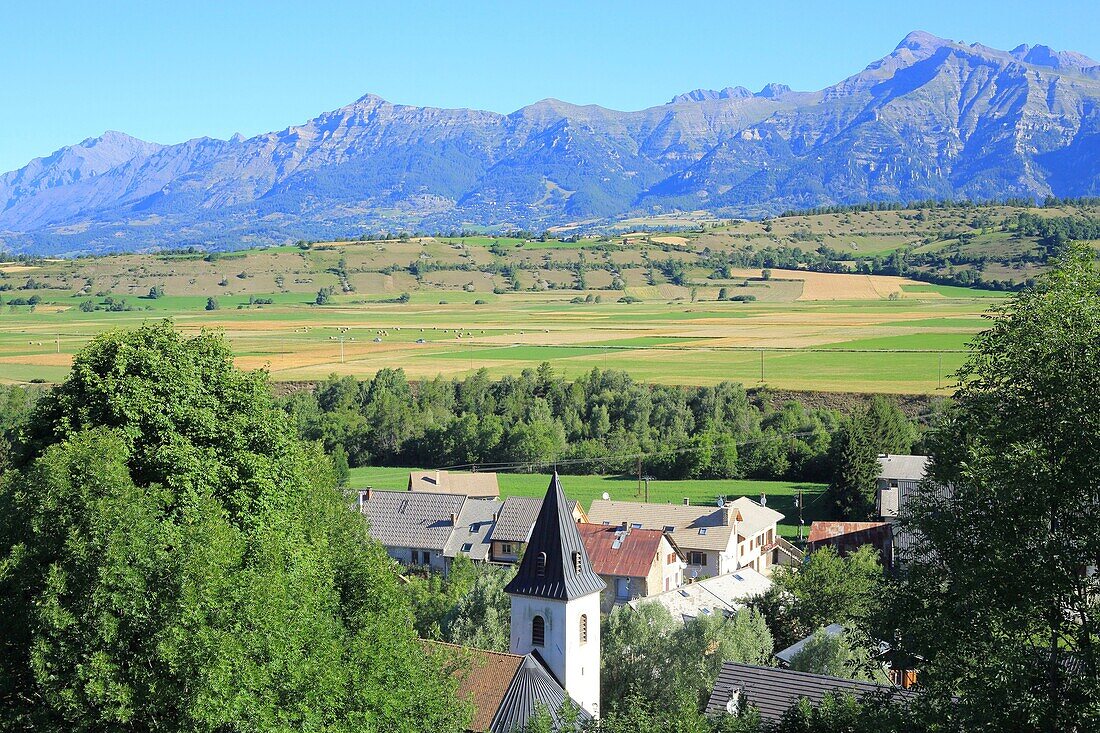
(625, 526)
(763, 499)
(364, 497)
(454, 519)
(687, 501)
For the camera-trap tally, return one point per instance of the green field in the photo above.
(586, 488)
(461, 310)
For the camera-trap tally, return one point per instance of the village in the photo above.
(574, 565)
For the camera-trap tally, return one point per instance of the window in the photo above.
(538, 631)
(636, 525)
(584, 628)
(672, 558)
(467, 546)
(669, 529)
(540, 565)
(702, 530)
(697, 558)
(507, 548)
(577, 562)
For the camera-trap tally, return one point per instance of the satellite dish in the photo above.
(606, 496)
(694, 574)
(721, 501)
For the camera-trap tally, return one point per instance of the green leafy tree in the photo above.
(1001, 595)
(212, 304)
(832, 655)
(482, 616)
(172, 558)
(825, 589)
(646, 652)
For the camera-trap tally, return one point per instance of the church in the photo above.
(555, 631)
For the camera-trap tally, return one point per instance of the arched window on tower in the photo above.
(538, 631)
(577, 562)
(540, 565)
(584, 628)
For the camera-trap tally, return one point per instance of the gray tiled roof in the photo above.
(412, 519)
(517, 517)
(475, 524)
(555, 563)
(772, 691)
(902, 468)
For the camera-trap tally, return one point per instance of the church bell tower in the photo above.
(556, 602)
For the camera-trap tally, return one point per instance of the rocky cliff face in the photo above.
(932, 119)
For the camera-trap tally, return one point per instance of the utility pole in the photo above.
(646, 479)
(801, 523)
(639, 467)
(59, 343)
(761, 365)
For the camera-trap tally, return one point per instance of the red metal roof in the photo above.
(634, 555)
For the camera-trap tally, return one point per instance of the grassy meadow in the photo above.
(586, 488)
(450, 306)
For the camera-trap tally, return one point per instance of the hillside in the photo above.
(934, 119)
(817, 301)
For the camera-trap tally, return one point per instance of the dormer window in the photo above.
(540, 565)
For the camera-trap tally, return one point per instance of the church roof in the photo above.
(555, 564)
(506, 690)
(532, 688)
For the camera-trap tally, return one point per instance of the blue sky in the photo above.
(169, 71)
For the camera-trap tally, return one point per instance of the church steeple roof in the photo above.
(555, 564)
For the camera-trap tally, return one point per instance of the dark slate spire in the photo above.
(550, 566)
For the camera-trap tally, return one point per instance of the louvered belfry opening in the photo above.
(538, 631)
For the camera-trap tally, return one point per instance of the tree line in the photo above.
(603, 422)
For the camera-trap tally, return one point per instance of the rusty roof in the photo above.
(484, 683)
(624, 553)
(827, 530)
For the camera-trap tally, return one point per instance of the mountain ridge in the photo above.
(932, 119)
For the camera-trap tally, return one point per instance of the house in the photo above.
(634, 563)
(419, 529)
(714, 539)
(504, 689)
(513, 527)
(846, 537)
(413, 527)
(482, 485)
(470, 536)
(898, 476)
(721, 595)
(772, 691)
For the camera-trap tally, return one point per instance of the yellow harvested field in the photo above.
(669, 239)
(832, 286)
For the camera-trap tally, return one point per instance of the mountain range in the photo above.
(933, 119)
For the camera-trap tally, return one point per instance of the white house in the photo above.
(714, 540)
